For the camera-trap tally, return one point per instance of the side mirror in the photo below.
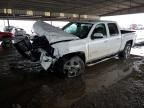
(97, 36)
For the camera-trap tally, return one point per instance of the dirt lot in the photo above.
(111, 84)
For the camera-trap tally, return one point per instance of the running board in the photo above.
(100, 60)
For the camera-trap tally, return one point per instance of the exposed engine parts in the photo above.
(31, 49)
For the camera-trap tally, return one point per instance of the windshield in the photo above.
(79, 29)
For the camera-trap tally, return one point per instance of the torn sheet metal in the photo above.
(45, 60)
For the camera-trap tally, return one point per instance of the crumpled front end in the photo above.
(38, 49)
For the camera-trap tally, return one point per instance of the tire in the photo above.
(70, 66)
(125, 54)
(6, 44)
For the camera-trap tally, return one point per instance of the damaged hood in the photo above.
(52, 33)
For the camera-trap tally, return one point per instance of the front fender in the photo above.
(64, 48)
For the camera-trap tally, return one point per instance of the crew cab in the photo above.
(78, 43)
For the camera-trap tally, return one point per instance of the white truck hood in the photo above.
(52, 33)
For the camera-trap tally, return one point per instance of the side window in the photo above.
(100, 29)
(113, 29)
(71, 29)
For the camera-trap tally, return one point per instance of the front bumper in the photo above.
(38, 49)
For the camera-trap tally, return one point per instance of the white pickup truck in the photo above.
(79, 43)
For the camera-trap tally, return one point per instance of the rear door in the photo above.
(114, 40)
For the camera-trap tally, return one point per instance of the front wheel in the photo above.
(125, 54)
(71, 67)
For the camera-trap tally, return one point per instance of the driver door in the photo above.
(98, 46)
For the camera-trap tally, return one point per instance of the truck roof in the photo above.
(96, 21)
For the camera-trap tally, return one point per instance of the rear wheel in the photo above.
(125, 54)
(71, 66)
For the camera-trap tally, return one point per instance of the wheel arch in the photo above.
(79, 54)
